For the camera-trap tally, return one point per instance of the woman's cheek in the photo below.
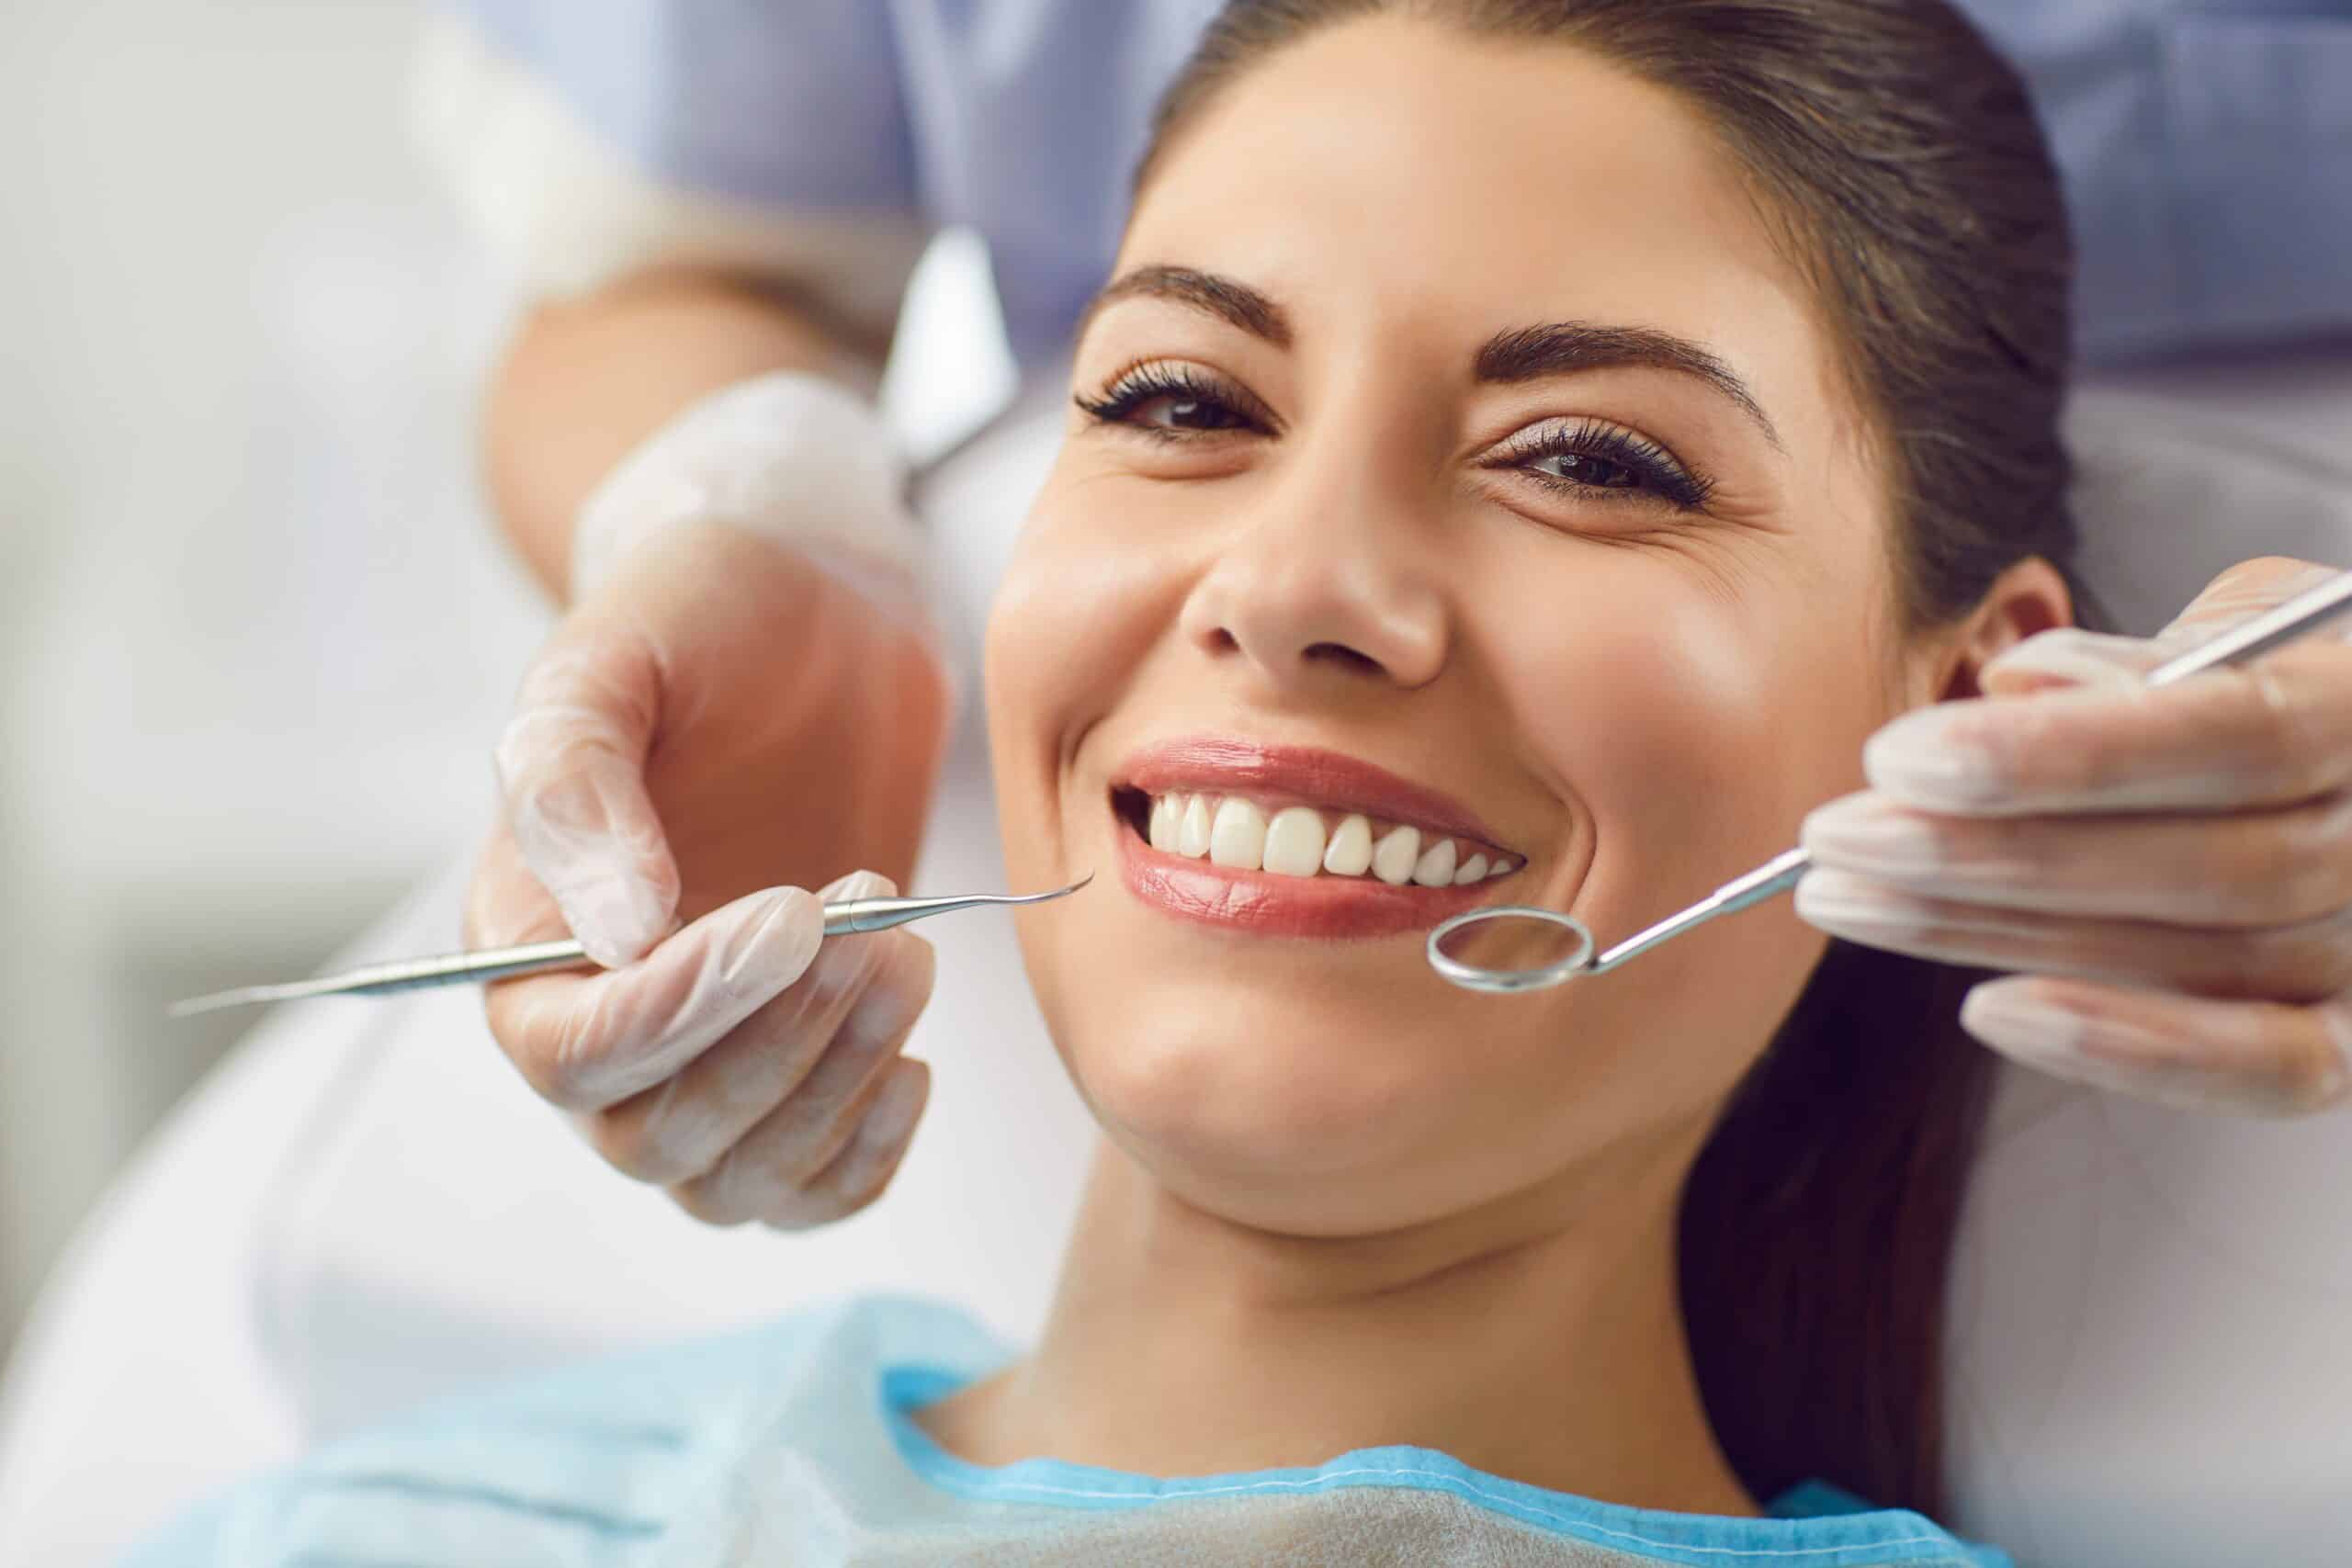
(1688, 738)
(1090, 592)
(1695, 728)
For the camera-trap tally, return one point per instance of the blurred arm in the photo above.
(586, 380)
(686, 197)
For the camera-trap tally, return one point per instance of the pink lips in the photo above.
(1332, 906)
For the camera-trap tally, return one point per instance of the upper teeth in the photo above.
(1293, 841)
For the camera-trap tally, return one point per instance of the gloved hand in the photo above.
(745, 695)
(2172, 867)
(746, 1064)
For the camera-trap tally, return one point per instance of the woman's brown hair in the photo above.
(1907, 175)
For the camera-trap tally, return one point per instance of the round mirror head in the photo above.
(1511, 947)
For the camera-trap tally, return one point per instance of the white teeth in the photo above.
(1236, 832)
(1295, 841)
(1351, 851)
(1238, 839)
(1193, 831)
(1393, 857)
(1167, 823)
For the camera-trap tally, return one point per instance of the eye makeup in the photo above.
(1587, 458)
(1198, 402)
(1595, 455)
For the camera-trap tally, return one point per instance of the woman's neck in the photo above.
(1546, 1349)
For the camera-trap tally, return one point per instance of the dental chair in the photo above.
(2151, 1339)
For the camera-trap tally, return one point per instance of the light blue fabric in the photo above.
(2207, 143)
(792, 1444)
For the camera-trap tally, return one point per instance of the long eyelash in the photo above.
(1131, 389)
(1662, 475)
(1672, 481)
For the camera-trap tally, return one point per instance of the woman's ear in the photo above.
(2029, 598)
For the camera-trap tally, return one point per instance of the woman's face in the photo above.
(1461, 454)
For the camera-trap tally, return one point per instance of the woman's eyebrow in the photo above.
(1222, 297)
(1562, 348)
(1523, 354)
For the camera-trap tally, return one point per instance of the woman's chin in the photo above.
(1270, 1111)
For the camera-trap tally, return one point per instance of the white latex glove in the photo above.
(746, 1064)
(745, 695)
(2173, 868)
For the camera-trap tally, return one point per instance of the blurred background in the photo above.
(256, 637)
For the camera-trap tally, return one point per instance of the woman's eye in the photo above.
(1584, 469)
(1593, 458)
(1174, 403)
(1186, 411)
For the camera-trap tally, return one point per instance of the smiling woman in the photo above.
(1522, 453)
(1604, 416)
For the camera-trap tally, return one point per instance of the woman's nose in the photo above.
(1322, 581)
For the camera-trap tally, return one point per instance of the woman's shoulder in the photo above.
(594, 1455)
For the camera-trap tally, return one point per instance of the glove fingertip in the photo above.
(616, 918)
(2020, 680)
(890, 1119)
(2017, 1017)
(860, 884)
(2072, 657)
(785, 928)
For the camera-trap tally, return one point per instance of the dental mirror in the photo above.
(1511, 947)
(1518, 947)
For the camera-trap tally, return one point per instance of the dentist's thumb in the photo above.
(572, 770)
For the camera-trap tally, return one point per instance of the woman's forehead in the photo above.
(1407, 171)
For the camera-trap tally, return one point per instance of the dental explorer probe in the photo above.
(2282, 623)
(503, 963)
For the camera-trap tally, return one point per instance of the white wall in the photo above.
(254, 637)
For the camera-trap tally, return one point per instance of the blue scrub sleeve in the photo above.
(791, 104)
